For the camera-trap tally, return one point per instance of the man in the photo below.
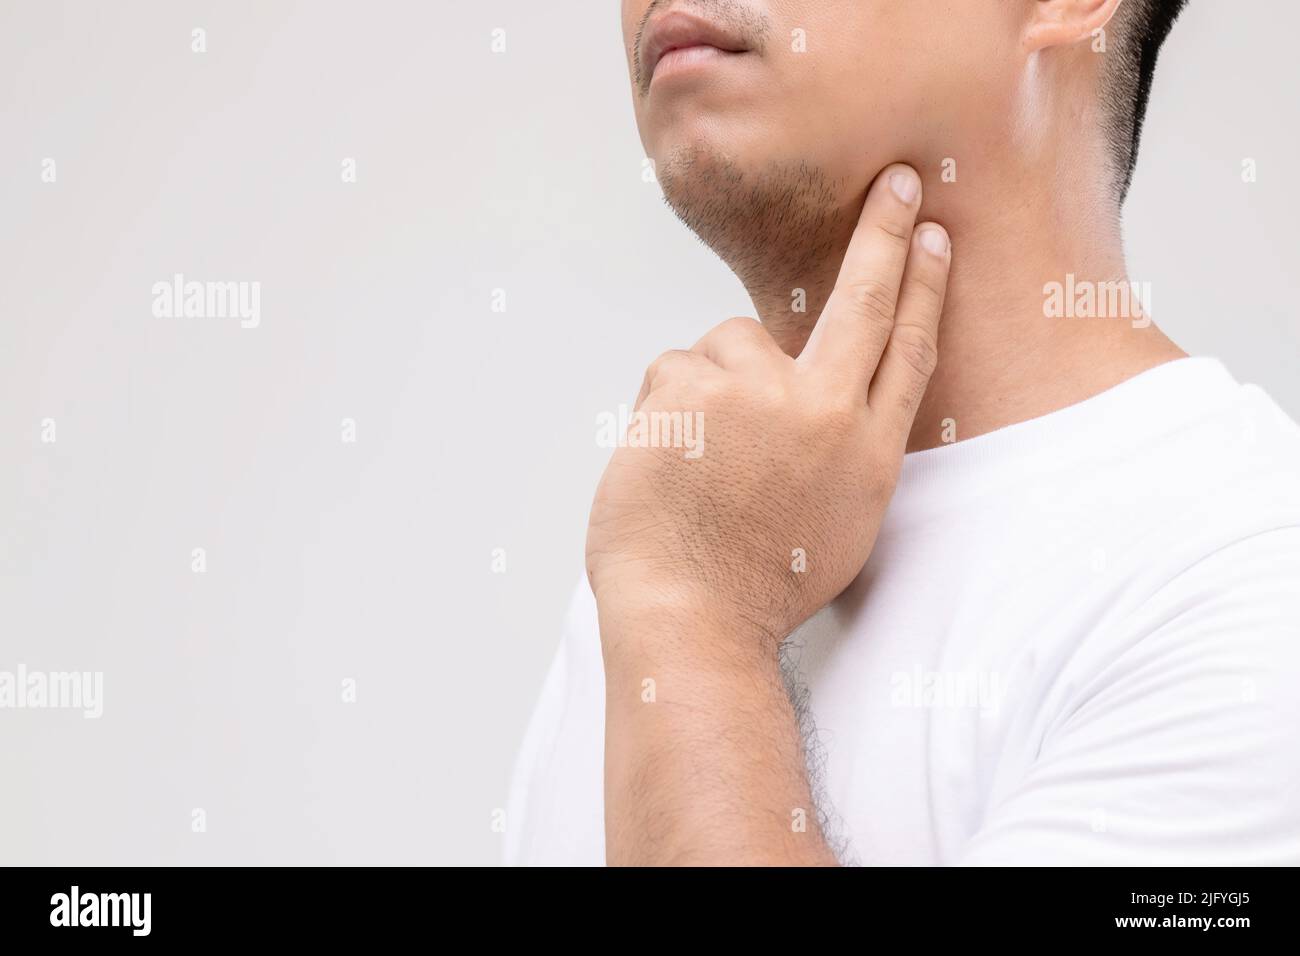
(1076, 636)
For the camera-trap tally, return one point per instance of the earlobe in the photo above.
(1055, 23)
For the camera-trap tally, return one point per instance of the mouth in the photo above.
(680, 40)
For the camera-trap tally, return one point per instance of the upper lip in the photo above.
(679, 29)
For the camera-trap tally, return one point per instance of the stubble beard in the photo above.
(780, 230)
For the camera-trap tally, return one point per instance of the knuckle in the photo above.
(661, 365)
(932, 285)
(838, 414)
(662, 373)
(717, 390)
(740, 327)
(838, 425)
(738, 334)
(895, 232)
(918, 349)
(774, 393)
(872, 299)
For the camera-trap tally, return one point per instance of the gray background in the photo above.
(372, 561)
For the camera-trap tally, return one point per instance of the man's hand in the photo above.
(704, 556)
(774, 513)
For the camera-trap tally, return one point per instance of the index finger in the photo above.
(854, 328)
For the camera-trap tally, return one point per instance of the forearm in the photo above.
(704, 762)
(720, 554)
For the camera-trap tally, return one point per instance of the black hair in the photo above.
(1140, 30)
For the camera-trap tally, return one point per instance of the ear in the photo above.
(1066, 22)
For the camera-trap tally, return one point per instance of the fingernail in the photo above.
(905, 186)
(935, 241)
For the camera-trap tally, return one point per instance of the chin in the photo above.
(702, 181)
(765, 217)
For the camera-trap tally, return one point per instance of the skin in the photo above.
(786, 164)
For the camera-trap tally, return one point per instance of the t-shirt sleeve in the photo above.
(558, 775)
(1183, 747)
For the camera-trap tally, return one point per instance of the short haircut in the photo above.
(1138, 31)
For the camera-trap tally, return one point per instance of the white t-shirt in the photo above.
(1076, 642)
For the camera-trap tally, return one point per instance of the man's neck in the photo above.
(1005, 356)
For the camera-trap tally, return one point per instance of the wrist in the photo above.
(680, 632)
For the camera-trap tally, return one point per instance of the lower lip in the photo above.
(688, 60)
